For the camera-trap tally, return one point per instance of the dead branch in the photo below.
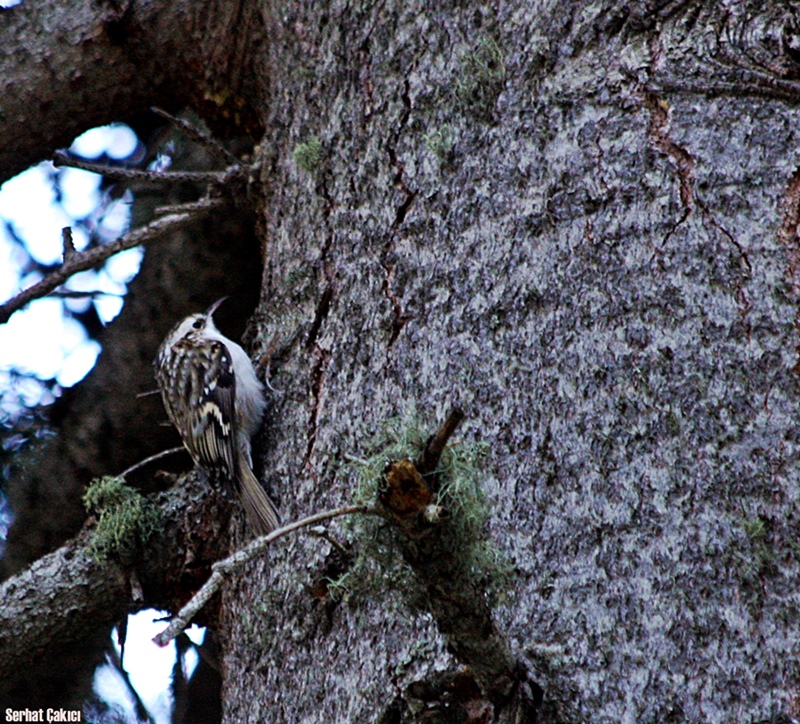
(119, 173)
(152, 458)
(228, 566)
(456, 601)
(436, 445)
(81, 261)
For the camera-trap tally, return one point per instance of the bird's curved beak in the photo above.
(213, 308)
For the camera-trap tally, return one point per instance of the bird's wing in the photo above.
(212, 419)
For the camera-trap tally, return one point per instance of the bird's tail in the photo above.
(261, 511)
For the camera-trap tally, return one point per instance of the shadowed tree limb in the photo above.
(457, 602)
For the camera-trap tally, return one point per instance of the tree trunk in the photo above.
(579, 223)
(519, 210)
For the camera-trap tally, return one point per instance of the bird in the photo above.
(215, 400)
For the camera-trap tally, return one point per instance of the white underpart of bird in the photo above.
(215, 400)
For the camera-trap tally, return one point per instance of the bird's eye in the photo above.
(198, 323)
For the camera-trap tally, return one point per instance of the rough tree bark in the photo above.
(579, 222)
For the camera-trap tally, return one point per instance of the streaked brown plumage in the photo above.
(214, 398)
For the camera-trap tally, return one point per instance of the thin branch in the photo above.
(157, 456)
(67, 243)
(80, 261)
(118, 173)
(355, 459)
(74, 294)
(222, 569)
(168, 209)
(436, 445)
(198, 136)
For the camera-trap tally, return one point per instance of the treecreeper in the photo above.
(216, 401)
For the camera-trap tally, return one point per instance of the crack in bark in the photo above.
(761, 69)
(399, 166)
(323, 357)
(400, 318)
(317, 381)
(365, 80)
(321, 314)
(788, 230)
(686, 164)
(658, 131)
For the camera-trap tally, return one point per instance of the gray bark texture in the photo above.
(579, 223)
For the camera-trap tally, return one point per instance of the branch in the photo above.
(120, 173)
(67, 243)
(436, 445)
(224, 568)
(63, 598)
(152, 458)
(72, 294)
(80, 261)
(440, 556)
(409, 487)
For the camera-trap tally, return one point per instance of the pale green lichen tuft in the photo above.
(440, 142)
(125, 520)
(380, 563)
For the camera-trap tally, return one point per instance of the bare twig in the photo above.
(355, 459)
(67, 243)
(198, 136)
(157, 456)
(74, 294)
(80, 261)
(223, 569)
(168, 209)
(118, 173)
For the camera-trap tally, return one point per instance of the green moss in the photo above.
(763, 554)
(673, 424)
(125, 520)
(309, 154)
(755, 529)
(464, 537)
(755, 563)
(440, 142)
(483, 73)
(305, 73)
